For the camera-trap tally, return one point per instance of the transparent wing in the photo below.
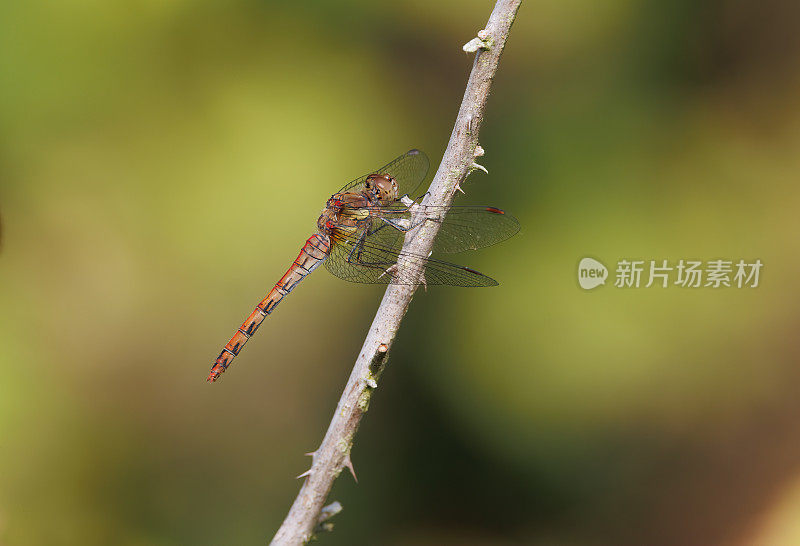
(462, 227)
(358, 259)
(471, 228)
(409, 170)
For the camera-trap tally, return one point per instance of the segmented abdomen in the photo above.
(313, 253)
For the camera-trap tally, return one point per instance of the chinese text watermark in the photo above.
(663, 273)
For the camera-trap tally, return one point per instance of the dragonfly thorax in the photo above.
(344, 212)
(327, 220)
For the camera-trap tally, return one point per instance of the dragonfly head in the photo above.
(381, 187)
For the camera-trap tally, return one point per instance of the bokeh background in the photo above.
(161, 163)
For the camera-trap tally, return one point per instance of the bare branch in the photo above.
(458, 161)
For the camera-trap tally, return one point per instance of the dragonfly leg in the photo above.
(409, 203)
(359, 246)
(355, 256)
(400, 225)
(374, 231)
(404, 224)
(361, 249)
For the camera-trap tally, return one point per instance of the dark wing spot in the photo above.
(494, 210)
(471, 271)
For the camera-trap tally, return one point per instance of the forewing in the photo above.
(471, 228)
(462, 227)
(409, 170)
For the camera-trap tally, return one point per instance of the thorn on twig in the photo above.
(311, 454)
(329, 511)
(473, 45)
(482, 41)
(304, 474)
(476, 167)
(348, 462)
(391, 270)
(479, 151)
(325, 514)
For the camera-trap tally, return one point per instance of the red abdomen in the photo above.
(313, 253)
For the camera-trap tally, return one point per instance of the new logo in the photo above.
(591, 273)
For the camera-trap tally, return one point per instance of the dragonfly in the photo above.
(360, 235)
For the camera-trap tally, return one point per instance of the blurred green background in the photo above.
(161, 163)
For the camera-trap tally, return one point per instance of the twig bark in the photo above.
(459, 160)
